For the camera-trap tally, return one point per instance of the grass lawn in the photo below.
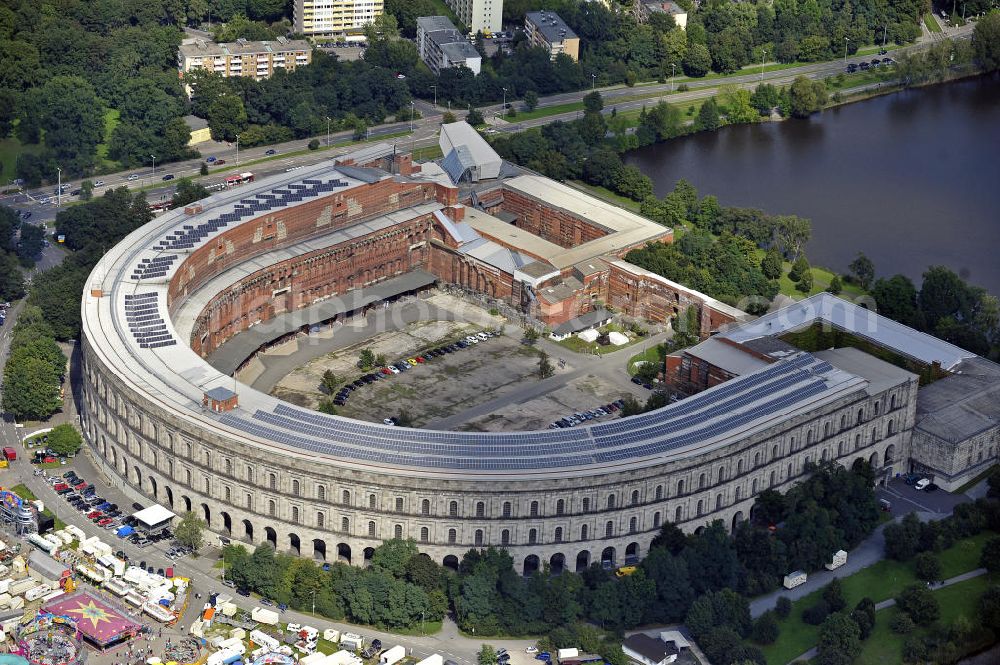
(821, 279)
(652, 354)
(843, 81)
(10, 148)
(879, 582)
(931, 23)
(542, 111)
(577, 345)
(428, 153)
(975, 481)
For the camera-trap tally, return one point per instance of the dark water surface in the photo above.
(911, 179)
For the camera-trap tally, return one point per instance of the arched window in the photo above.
(889, 428)
(771, 483)
(480, 509)
(823, 455)
(272, 508)
(557, 535)
(633, 525)
(756, 460)
(791, 443)
(840, 448)
(250, 474)
(700, 507)
(372, 501)
(229, 494)
(809, 437)
(719, 477)
(295, 514)
(397, 532)
(425, 507)
(583, 532)
(892, 402)
(424, 534)
(229, 467)
(532, 536)
(656, 520)
(534, 509)
(295, 487)
(857, 441)
(874, 435)
(320, 520)
(678, 514)
(877, 405)
(774, 452)
(718, 501)
(506, 508)
(399, 504)
(635, 497)
(560, 507)
(843, 421)
(701, 482)
(479, 536)
(345, 525)
(453, 508)
(826, 430)
(659, 492)
(611, 501)
(753, 486)
(586, 504)
(609, 529)
(345, 498)
(371, 529)
(505, 537)
(739, 467)
(680, 488)
(861, 416)
(738, 491)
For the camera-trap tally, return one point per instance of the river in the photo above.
(912, 179)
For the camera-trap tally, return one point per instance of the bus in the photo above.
(160, 205)
(239, 179)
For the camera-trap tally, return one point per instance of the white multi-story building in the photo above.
(328, 18)
(244, 58)
(479, 15)
(442, 46)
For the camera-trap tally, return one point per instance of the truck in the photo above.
(9, 453)
(264, 616)
(351, 641)
(37, 592)
(393, 655)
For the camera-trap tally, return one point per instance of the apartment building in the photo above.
(244, 58)
(649, 7)
(548, 30)
(332, 18)
(442, 46)
(479, 15)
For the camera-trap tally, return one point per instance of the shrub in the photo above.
(783, 607)
(917, 601)
(927, 566)
(902, 624)
(314, 144)
(816, 614)
(765, 628)
(683, 87)
(833, 595)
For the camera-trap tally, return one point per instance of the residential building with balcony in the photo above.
(478, 15)
(244, 58)
(442, 46)
(331, 18)
(547, 30)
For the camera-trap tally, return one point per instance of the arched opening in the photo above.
(873, 460)
(247, 530)
(858, 463)
(170, 496)
(294, 544)
(206, 511)
(557, 563)
(582, 560)
(889, 456)
(450, 561)
(531, 565)
(632, 553)
(156, 495)
(608, 558)
(737, 519)
(187, 503)
(699, 530)
(271, 536)
(319, 549)
(344, 552)
(227, 523)
(368, 553)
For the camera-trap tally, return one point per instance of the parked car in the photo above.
(922, 483)
(210, 160)
(134, 176)
(272, 151)
(220, 162)
(169, 176)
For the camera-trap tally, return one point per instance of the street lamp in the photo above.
(327, 130)
(237, 150)
(845, 49)
(593, 81)
(673, 70)
(435, 89)
(503, 109)
(411, 115)
(153, 157)
(762, 55)
(58, 187)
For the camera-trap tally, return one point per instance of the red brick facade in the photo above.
(556, 226)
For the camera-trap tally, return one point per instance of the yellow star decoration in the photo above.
(92, 612)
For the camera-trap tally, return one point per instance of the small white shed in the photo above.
(794, 579)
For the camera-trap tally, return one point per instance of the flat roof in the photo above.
(844, 315)
(434, 23)
(551, 25)
(507, 234)
(880, 375)
(726, 356)
(204, 48)
(624, 229)
(963, 404)
(153, 516)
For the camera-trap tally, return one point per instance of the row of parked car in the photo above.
(865, 66)
(593, 414)
(83, 496)
(409, 363)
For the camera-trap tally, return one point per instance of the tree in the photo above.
(896, 298)
(697, 61)
(986, 42)
(817, 613)
(545, 369)
(187, 192)
(927, 566)
(902, 623)
(708, 116)
(989, 607)
(863, 270)
(531, 335)
(366, 359)
(593, 102)
(227, 117)
(863, 615)
(203, 169)
(313, 144)
(327, 406)
(917, 601)
(783, 606)
(330, 381)
(404, 419)
(805, 283)
(835, 286)
(765, 629)
(448, 117)
(190, 531)
(530, 101)
(990, 557)
(86, 190)
(73, 118)
(11, 278)
(30, 244)
(29, 392)
(799, 267)
(65, 440)
(833, 595)
(771, 264)
(806, 97)
(839, 641)
(475, 117)
(487, 655)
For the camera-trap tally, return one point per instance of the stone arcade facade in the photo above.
(319, 510)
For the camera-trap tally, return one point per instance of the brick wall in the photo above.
(552, 224)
